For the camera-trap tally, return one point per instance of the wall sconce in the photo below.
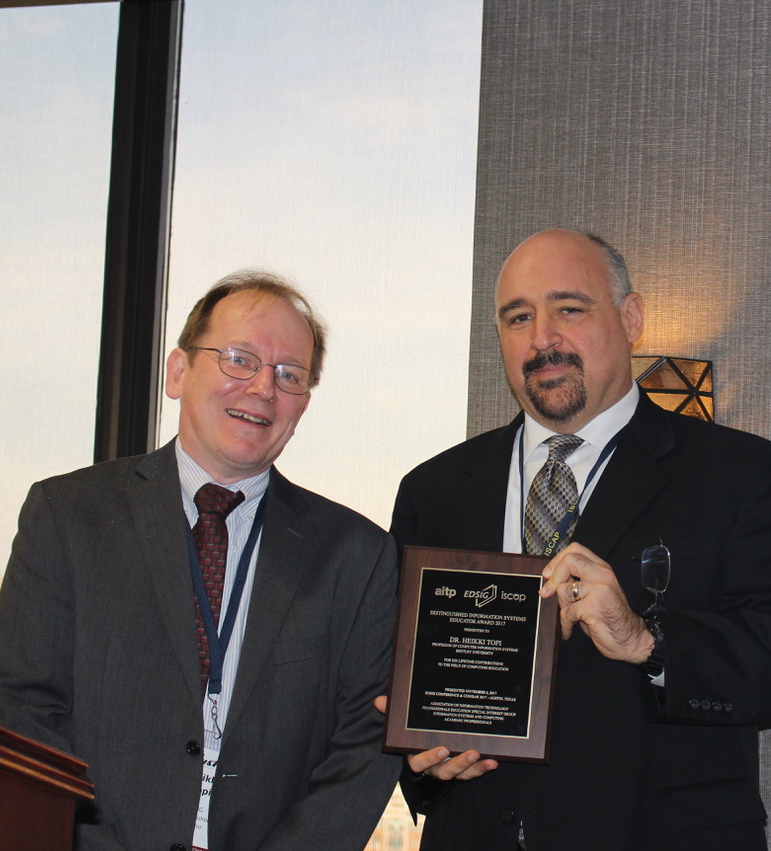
(681, 385)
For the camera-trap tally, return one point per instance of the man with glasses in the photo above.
(655, 743)
(206, 635)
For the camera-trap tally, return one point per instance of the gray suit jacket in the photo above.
(98, 656)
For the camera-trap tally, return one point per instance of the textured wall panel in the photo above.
(647, 123)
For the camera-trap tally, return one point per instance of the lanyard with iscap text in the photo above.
(218, 642)
(564, 524)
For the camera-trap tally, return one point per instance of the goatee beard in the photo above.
(556, 399)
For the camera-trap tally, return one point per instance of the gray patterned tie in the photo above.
(553, 490)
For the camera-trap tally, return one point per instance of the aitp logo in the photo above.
(483, 597)
(444, 591)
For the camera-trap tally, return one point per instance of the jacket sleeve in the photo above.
(36, 629)
(350, 788)
(718, 656)
(37, 642)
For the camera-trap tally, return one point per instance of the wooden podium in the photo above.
(39, 787)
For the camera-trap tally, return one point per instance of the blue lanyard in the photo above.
(218, 643)
(564, 524)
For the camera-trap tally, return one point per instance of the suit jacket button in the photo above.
(706, 704)
(193, 748)
(728, 707)
(717, 705)
(177, 847)
(507, 816)
(693, 703)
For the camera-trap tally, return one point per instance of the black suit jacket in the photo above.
(98, 656)
(633, 767)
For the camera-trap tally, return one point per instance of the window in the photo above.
(335, 142)
(57, 67)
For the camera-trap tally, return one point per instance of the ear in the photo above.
(176, 366)
(632, 316)
(307, 402)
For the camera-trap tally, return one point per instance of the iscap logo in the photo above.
(483, 597)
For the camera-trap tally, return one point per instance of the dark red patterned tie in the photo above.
(210, 533)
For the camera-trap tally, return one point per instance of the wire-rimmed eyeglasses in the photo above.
(238, 363)
(655, 568)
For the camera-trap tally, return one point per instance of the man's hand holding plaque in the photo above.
(438, 763)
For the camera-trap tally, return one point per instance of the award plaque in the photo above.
(474, 657)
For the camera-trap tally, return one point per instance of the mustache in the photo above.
(551, 358)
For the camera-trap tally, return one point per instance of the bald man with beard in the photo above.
(655, 726)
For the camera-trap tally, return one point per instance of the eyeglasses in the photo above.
(655, 567)
(237, 363)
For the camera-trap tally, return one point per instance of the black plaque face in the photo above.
(474, 652)
(474, 657)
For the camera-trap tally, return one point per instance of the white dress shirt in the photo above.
(239, 523)
(595, 435)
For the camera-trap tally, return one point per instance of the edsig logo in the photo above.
(483, 597)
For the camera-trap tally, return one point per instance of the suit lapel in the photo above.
(285, 554)
(630, 481)
(155, 504)
(486, 482)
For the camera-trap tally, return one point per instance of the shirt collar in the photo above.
(192, 476)
(597, 432)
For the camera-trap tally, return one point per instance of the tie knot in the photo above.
(561, 446)
(214, 499)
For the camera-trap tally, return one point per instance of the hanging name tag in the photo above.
(201, 833)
